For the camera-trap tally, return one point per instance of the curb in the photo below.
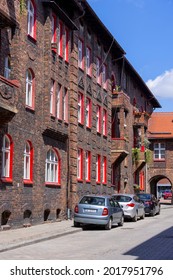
(37, 240)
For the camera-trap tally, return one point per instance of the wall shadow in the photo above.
(159, 247)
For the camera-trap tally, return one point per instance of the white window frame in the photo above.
(79, 164)
(52, 97)
(98, 119)
(52, 168)
(98, 70)
(159, 151)
(29, 88)
(31, 18)
(104, 122)
(65, 105)
(88, 61)
(27, 162)
(7, 68)
(104, 76)
(87, 165)
(6, 157)
(58, 102)
(80, 54)
(80, 108)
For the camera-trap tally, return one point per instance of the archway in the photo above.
(160, 183)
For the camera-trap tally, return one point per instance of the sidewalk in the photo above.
(14, 238)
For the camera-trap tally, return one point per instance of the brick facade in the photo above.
(22, 203)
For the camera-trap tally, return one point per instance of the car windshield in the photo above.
(122, 198)
(144, 196)
(93, 200)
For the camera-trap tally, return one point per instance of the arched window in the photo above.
(30, 88)
(7, 158)
(31, 19)
(28, 163)
(52, 174)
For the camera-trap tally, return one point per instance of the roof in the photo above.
(160, 125)
(142, 84)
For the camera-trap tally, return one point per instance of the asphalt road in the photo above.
(148, 239)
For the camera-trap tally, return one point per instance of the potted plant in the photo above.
(135, 154)
(117, 89)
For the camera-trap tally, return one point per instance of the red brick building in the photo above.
(66, 129)
(160, 135)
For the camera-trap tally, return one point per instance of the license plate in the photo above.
(90, 210)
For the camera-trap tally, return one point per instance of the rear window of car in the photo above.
(122, 198)
(93, 200)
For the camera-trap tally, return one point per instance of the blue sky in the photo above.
(144, 29)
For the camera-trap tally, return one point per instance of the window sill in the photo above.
(88, 181)
(52, 184)
(98, 133)
(27, 182)
(6, 180)
(30, 108)
(32, 39)
(98, 182)
(80, 180)
(159, 160)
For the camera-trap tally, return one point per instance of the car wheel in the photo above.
(153, 212)
(121, 223)
(143, 216)
(158, 213)
(135, 218)
(109, 225)
(76, 224)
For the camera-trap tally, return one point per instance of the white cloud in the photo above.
(162, 86)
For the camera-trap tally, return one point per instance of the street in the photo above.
(148, 239)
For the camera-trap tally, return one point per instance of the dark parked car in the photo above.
(132, 206)
(98, 210)
(151, 203)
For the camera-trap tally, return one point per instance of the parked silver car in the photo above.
(132, 206)
(98, 210)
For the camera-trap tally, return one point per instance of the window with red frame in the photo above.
(80, 164)
(104, 76)
(66, 105)
(7, 158)
(104, 122)
(28, 163)
(80, 108)
(98, 74)
(53, 167)
(104, 170)
(88, 113)
(88, 166)
(98, 166)
(88, 61)
(80, 54)
(31, 19)
(52, 98)
(59, 102)
(66, 54)
(30, 89)
(53, 40)
(98, 119)
(60, 43)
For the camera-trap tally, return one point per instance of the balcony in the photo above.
(8, 99)
(139, 158)
(141, 118)
(119, 149)
(120, 99)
